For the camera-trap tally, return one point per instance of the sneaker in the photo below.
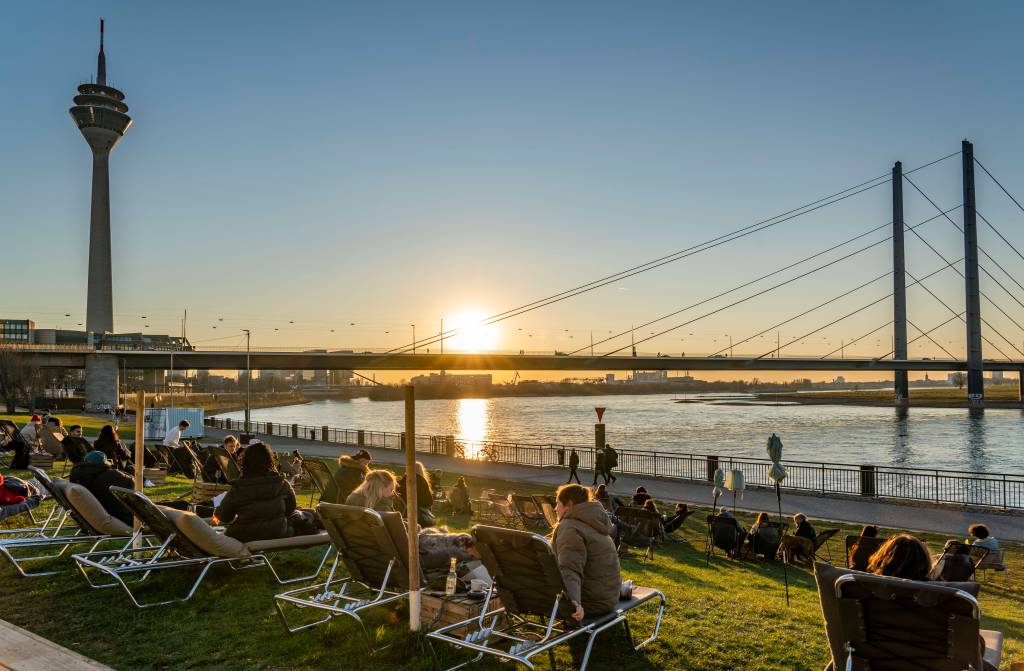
(148, 483)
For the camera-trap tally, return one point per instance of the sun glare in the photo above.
(472, 335)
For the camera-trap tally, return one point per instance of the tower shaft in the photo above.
(99, 312)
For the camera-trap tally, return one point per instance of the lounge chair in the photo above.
(725, 534)
(640, 528)
(374, 548)
(505, 512)
(536, 616)
(229, 468)
(675, 534)
(958, 562)
(186, 541)
(889, 624)
(767, 540)
(95, 526)
(546, 503)
(319, 475)
(821, 542)
(993, 561)
(859, 550)
(529, 512)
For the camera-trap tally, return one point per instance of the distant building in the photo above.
(649, 376)
(461, 381)
(996, 375)
(609, 378)
(18, 331)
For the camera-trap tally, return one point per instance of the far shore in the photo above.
(1001, 396)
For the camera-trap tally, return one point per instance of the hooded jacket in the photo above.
(98, 478)
(587, 558)
(256, 509)
(347, 477)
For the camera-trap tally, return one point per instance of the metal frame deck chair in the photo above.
(546, 503)
(186, 541)
(640, 528)
(535, 617)
(505, 512)
(993, 561)
(821, 541)
(374, 548)
(52, 524)
(529, 512)
(859, 550)
(8, 437)
(319, 475)
(229, 467)
(958, 562)
(889, 624)
(725, 534)
(675, 534)
(95, 526)
(767, 540)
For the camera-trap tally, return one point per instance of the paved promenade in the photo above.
(915, 517)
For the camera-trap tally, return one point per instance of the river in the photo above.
(945, 438)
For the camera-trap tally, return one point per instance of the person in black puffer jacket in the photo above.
(95, 474)
(259, 504)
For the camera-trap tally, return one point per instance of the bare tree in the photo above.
(959, 379)
(20, 378)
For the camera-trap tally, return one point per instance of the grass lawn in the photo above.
(728, 615)
(90, 424)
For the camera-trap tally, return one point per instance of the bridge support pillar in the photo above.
(899, 290)
(975, 378)
(101, 381)
(1020, 386)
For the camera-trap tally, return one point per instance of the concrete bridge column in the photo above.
(101, 381)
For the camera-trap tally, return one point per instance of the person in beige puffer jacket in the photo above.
(585, 552)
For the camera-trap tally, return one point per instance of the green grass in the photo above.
(90, 425)
(727, 615)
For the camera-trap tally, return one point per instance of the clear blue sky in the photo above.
(327, 163)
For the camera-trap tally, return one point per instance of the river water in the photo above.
(945, 438)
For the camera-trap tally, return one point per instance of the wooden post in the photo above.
(140, 445)
(411, 507)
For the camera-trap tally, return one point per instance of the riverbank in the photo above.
(213, 404)
(1000, 396)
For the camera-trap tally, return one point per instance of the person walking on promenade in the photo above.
(599, 467)
(574, 463)
(611, 460)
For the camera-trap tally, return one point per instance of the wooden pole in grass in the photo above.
(140, 445)
(411, 507)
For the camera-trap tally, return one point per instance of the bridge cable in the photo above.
(857, 339)
(650, 265)
(925, 333)
(852, 313)
(1008, 195)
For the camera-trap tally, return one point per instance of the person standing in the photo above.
(574, 463)
(182, 455)
(611, 460)
(599, 469)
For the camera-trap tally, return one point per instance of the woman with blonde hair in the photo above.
(376, 491)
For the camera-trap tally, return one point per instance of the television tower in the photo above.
(100, 114)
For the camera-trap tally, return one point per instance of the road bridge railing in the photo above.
(946, 487)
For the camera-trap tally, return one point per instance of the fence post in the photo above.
(323, 433)
(867, 480)
(936, 486)
(712, 467)
(1004, 491)
(295, 430)
(270, 428)
(823, 478)
(449, 445)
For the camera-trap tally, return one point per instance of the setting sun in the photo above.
(472, 335)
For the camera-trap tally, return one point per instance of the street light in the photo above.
(248, 380)
(413, 338)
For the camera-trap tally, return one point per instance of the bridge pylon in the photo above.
(975, 375)
(899, 289)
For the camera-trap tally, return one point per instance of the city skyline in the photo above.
(345, 232)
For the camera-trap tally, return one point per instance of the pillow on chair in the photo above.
(205, 537)
(93, 511)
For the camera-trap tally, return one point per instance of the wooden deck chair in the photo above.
(95, 526)
(374, 547)
(859, 550)
(724, 533)
(546, 503)
(888, 624)
(958, 562)
(185, 541)
(640, 528)
(229, 467)
(529, 512)
(535, 617)
(319, 475)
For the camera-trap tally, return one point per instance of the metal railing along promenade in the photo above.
(1000, 491)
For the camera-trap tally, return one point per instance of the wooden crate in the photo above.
(157, 476)
(438, 610)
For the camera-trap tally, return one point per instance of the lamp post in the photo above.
(248, 379)
(413, 338)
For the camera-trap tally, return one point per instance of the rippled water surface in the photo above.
(945, 438)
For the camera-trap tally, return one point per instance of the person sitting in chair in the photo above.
(902, 556)
(640, 497)
(673, 522)
(981, 537)
(95, 474)
(259, 505)
(460, 497)
(377, 492)
(585, 552)
(347, 477)
(801, 544)
(109, 443)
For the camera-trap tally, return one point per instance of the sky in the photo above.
(327, 174)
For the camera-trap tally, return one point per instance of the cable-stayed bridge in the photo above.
(988, 346)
